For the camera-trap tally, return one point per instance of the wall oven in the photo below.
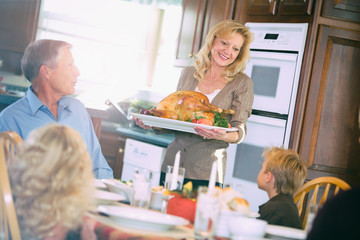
(276, 57)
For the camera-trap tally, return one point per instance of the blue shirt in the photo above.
(30, 113)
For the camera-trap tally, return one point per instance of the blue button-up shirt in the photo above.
(30, 113)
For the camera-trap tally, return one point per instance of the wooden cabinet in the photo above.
(348, 10)
(18, 24)
(198, 17)
(328, 127)
(112, 146)
(273, 10)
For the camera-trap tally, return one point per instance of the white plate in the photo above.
(284, 232)
(142, 218)
(103, 197)
(175, 124)
(99, 184)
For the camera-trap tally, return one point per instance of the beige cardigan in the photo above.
(198, 154)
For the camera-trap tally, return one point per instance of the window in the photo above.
(116, 43)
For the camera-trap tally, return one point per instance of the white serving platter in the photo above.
(175, 124)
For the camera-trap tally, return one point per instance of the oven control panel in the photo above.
(278, 36)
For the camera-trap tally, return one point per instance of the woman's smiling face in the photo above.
(226, 48)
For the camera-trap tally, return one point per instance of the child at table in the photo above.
(283, 172)
(52, 182)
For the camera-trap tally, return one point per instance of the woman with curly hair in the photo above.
(52, 181)
(218, 73)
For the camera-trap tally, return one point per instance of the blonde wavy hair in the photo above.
(287, 167)
(52, 180)
(203, 58)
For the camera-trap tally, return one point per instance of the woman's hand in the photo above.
(140, 123)
(219, 134)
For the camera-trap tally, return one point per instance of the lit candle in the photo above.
(175, 172)
(213, 175)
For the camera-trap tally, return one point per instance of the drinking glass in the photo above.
(207, 211)
(141, 188)
(179, 180)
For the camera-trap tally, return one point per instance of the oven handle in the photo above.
(274, 55)
(267, 121)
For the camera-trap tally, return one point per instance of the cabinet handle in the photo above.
(191, 55)
(121, 150)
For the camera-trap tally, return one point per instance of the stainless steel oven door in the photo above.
(244, 160)
(273, 75)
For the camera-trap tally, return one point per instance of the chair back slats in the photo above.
(12, 139)
(8, 219)
(307, 194)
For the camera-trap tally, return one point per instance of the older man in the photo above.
(50, 68)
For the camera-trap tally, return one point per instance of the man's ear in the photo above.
(45, 71)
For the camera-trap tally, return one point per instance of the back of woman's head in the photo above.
(52, 179)
(203, 58)
(287, 167)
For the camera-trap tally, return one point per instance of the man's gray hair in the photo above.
(41, 52)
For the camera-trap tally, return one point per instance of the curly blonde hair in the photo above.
(52, 180)
(203, 58)
(287, 167)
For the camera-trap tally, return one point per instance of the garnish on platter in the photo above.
(191, 106)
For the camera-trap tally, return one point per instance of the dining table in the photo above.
(107, 229)
(108, 226)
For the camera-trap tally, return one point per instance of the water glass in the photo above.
(141, 194)
(179, 180)
(207, 211)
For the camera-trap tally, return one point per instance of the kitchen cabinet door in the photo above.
(18, 24)
(261, 7)
(216, 11)
(198, 17)
(295, 7)
(348, 10)
(274, 10)
(112, 147)
(330, 131)
(189, 39)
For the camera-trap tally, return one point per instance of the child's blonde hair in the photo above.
(287, 167)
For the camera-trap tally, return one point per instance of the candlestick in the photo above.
(213, 175)
(175, 173)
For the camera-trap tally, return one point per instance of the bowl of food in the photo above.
(120, 187)
(232, 204)
(125, 188)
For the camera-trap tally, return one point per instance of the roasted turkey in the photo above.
(183, 105)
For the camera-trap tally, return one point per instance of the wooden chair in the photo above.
(310, 190)
(9, 226)
(12, 139)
